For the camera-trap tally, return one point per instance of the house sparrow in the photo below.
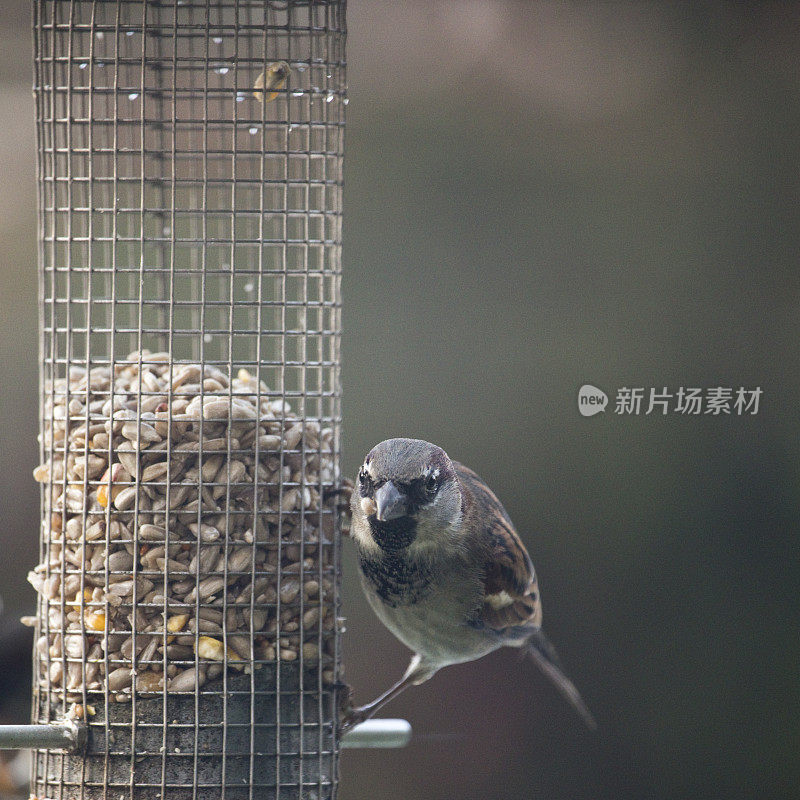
(272, 79)
(443, 567)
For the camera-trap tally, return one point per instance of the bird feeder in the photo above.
(190, 196)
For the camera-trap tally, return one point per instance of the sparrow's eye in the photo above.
(364, 481)
(431, 484)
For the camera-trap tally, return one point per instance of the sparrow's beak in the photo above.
(390, 501)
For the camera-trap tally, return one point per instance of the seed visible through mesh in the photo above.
(191, 520)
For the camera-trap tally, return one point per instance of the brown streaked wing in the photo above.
(511, 594)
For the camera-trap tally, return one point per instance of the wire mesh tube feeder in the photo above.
(190, 180)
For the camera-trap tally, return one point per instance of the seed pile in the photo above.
(189, 526)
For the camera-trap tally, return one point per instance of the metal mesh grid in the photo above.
(190, 239)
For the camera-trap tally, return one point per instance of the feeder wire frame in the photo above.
(178, 213)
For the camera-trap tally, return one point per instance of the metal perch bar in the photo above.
(378, 733)
(71, 737)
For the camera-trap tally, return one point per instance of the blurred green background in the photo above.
(540, 196)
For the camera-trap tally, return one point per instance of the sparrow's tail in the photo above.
(545, 656)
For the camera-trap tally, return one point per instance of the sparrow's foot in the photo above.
(349, 714)
(351, 717)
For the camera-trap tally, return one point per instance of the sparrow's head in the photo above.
(407, 491)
